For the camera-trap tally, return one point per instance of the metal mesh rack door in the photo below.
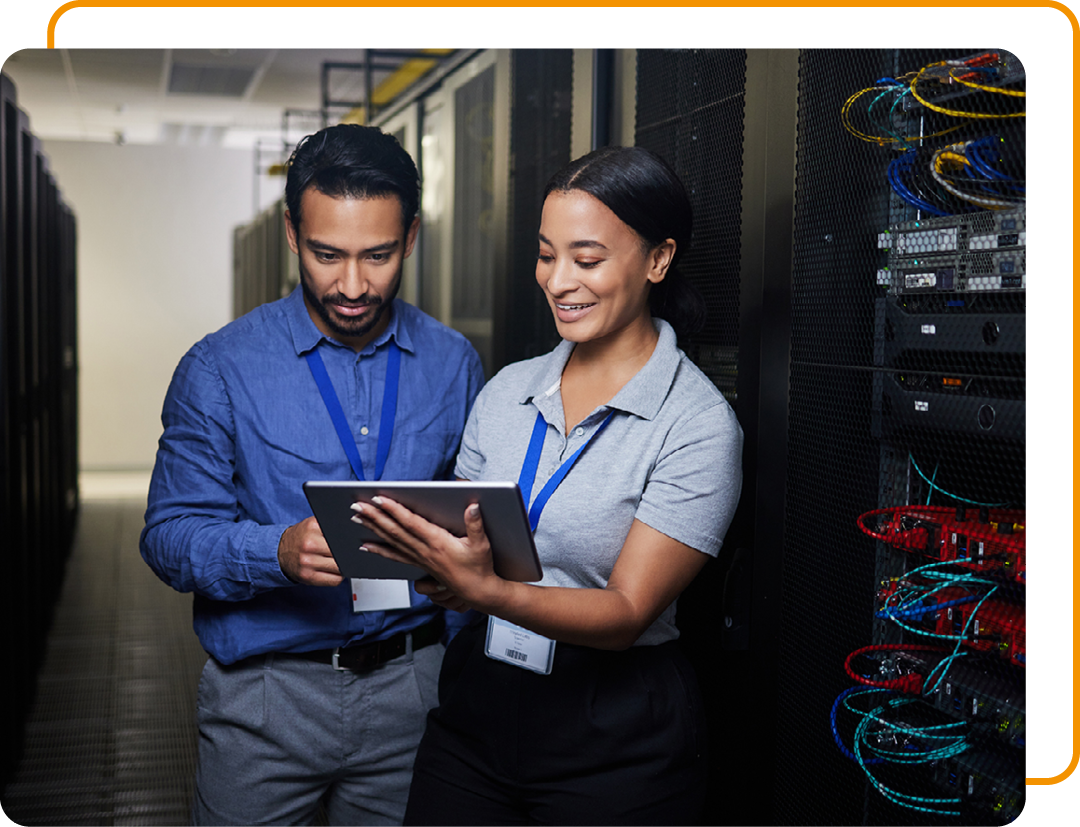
(904, 554)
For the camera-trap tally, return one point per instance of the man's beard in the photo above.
(341, 325)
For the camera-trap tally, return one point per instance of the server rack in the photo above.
(539, 121)
(264, 268)
(861, 334)
(39, 396)
(725, 119)
(907, 399)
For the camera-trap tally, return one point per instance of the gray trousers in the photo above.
(277, 734)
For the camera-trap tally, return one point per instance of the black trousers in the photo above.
(606, 738)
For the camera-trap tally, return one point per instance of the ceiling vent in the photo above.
(219, 81)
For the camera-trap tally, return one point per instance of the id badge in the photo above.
(379, 595)
(519, 647)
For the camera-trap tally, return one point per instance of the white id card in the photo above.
(379, 595)
(520, 647)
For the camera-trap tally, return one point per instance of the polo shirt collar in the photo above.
(642, 396)
(306, 336)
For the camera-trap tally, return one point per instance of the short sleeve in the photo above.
(470, 458)
(693, 489)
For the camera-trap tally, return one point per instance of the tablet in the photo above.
(443, 503)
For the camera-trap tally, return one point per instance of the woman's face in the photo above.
(594, 269)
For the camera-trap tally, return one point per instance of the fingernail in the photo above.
(440, 587)
(356, 520)
(358, 507)
(474, 510)
(377, 500)
(364, 548)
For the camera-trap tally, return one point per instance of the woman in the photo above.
(629, 459)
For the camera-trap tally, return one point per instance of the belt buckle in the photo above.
(334, 660)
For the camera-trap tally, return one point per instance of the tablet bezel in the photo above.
(441, 502)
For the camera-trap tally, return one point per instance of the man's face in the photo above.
(351, 253)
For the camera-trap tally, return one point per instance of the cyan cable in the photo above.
(956, 497)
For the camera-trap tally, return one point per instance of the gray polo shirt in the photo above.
(671, 457)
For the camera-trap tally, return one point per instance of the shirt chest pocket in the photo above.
(421, 453)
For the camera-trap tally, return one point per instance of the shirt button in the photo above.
(364, 430)
(580, 432)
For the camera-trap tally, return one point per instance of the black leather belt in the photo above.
(363, 657)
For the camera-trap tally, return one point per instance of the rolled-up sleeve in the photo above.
(194, 538)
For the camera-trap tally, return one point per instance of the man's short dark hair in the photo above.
(352, 161)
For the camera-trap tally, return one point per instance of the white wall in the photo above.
(154, 275)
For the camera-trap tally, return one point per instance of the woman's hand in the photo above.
(440, 595)
(462, 565)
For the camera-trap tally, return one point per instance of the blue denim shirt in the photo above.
(245, 427)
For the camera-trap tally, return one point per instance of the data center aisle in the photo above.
(111, 737)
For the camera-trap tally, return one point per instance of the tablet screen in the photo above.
(443, 503)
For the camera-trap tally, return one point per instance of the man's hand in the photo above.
(305, 557)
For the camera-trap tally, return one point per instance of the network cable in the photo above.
(880, 739)
(950, 495)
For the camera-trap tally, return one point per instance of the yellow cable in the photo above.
(845, 120)
(946, 155)
(953, 112)
(997, 90)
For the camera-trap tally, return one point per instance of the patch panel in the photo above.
(992, 626)
(990, 779)
(979, 551)
(991, 540)
(981, 692)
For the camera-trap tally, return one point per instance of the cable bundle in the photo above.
(978, 73)
(964, 171)
(892, 673)
(963, 176)
(931, 589)
(883, 115)
(887, 735)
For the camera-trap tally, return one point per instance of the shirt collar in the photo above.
(643, 395)
(306, 336)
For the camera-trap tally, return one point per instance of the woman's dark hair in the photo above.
(645, 193)
(352, 161)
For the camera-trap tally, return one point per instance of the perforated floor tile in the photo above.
(111, 736)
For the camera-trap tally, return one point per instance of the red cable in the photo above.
(911, 684)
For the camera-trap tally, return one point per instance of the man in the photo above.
(315, 689)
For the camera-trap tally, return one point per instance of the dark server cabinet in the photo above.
(39, 398)
(540, 128)
(725, 120)
(860, 240)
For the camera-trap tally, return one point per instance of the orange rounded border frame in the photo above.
(1065, 10)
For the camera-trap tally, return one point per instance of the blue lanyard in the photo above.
(341, 425)
(532, 463)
